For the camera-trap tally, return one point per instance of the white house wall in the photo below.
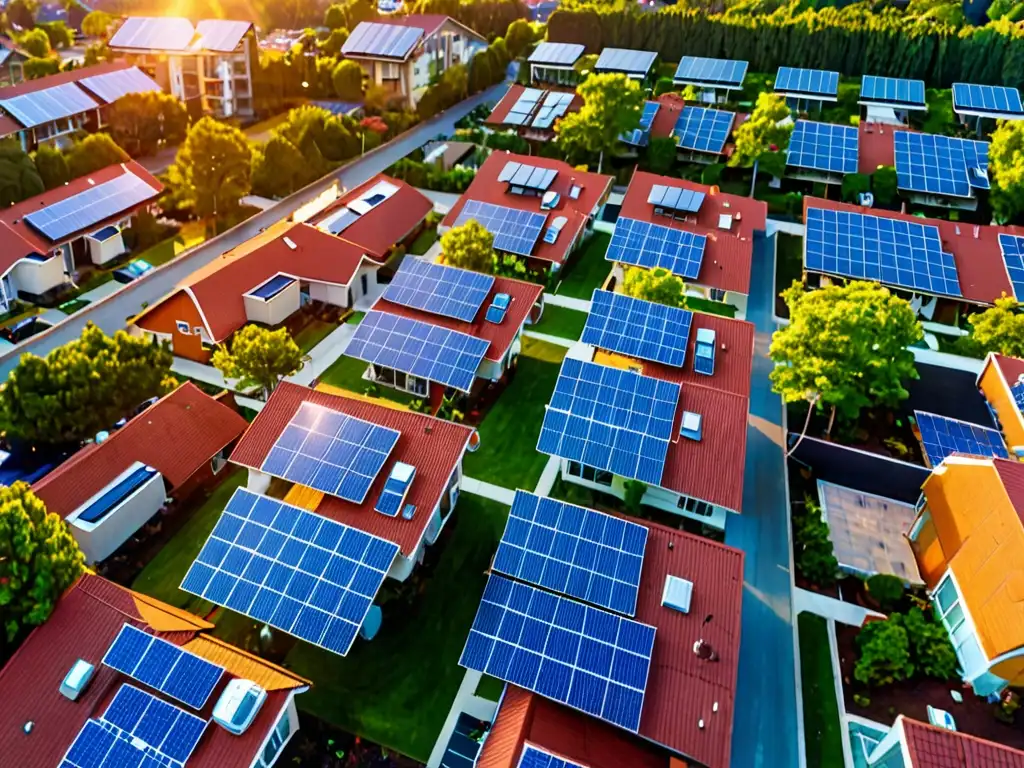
(276, 309)
(37, 277)
(99, 540)
(102, 251)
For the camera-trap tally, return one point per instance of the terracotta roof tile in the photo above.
(670, 107)
(875, 146)
(933, 747)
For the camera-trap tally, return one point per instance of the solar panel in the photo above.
(638, 328)
(45, 106)
(514, 231)
(527, 176)
(703, 130)
(535, 757)
(297, 571)
(428, 351)
(675, 199)
(554, 106)
(704, 352)
(896, 252)
(807, 82)
(823, 147)
(1012, 247)
(651, 245)
(583, 657)
(330, 451)
(163, 666)
(111, 86)
(700, 71)
(154, 33)
(220, 35)
(439, 289)
(392, 41)
(893, 91)
(940, 165)
(610, 419)
(574, 551)
(89, 208)
(625, 60)
(942, 437)
(1017, 389)
(524, 107)
(562, 54)
(987, 101)
(639, 137)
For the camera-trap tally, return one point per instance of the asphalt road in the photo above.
(112, 313)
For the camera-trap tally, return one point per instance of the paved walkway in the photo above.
(789, 227)
(580, 305)
(567, 343)
(548, 476)
(830, 608)
(324, 354)
(205, 373)
(488, 490)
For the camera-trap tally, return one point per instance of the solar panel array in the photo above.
(439, 289)
(89, 208)
(45, 106)
(895, 91)
(154, 33)
(639, 137)
(297, 571)
(982, 100)
(892, 251)
(651, 245)
(561, 54)
(391, 41)
(527, 176)
(942, 437)
(823, 147)
(555, 105)
(677, 199)
(514, 231)
(524, 106)
(428, 351)
(221, 35)
(940, 165)
(574, 551)
(625, 60)
(638, 328)
(1012, 247)
(703, 130)
(163, 666)
(330, 451)
(535, 757)
(396, 487)
(806, 82)
(111, 86)
(1017, 389)
(697, 70)
(610, 419)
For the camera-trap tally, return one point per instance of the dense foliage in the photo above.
(813, 554)
(469, 246)
(212, 171)
(142, 123)
(999, 328)
(656, 285)
(612, 105)
(906, 645)
(258, 356)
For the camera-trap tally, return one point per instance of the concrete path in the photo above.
(567, 343)
(324, 354)
(789, 227)
(488, 490)
(580, 305)
(466, 701)
(205, 373)
(830, 608)
(548, 476)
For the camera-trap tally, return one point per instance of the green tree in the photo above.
(999, 328)
(96, 53)
(930, 647)
(633, 494)
(509, 265)
(469, 246)
(845, 347)
(884, 654)
(39, 559)
(347, 79)
(518, 37)
(357, 11)
(883, 185)
(660, 155)
(766, 131)
(213, 169)
(22, 13)
(259, 356)
(35, 67)
(854, 184)
(142, 123)
(83, 386)
(813, 554)
(887, 589)
(19, 179)
(612, 106)
(51, 165)
(278, 168)
(657, 285)
(331, 45)
(1006, 166)
(36, 43)
(95, 151)
(334, 17)
(97, 24)
(480, 75)
(58, 34)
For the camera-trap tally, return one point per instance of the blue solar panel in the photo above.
(163, 666)
(428, 351)
(572, 550)
(696, 70)
(1012, 247)
(89, 208)
(439, 289)
(807, 82)
(610, 419)
(639, 137)
(704, 352)
(943, 437)
(1017, 389)
(823, 147)
(272, 287)
(638, 328)
(297, 571)
(994, 100)
(583, 657)
(535, 757)
(896, 252)
(703, 130)
(331, 452)
(652, 245)
(940, 165)
(892, 90)
(514, 231)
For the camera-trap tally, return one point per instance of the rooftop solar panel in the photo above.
(514, 231)
(154, 33)
(163, 727)
(704, 352)
(554, 106)
(675, 199)
(535, 757)
(330, 451)
(428, 351)
(651, 245)
(560, 54)
(390, 41)
(639, 137)
(527, 176)
(87, 209)
(583, 657)
(625, 60)
(940, 165)
(823, 147)
(895, 252)
(893, 91)
(987, 101)
(297, 571)
(222, 35)
(813, 83)
(574, 551)
(111, 86)
(610, 419)
(45, 106)
(436, 288)
(703, 130)
(638, 328)
(714, 73)
(524, 107)
(1012, 247)
(943, 437)
(1017, 389)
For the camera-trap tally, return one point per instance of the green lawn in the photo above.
(423, 241)
(313, 334)
(347, 373)
(697, 304)
(70, 307)
(355, 318)
(489, 688)
(822, 731)
(561, 321)
(191, 234)
(397, 689)
(588, 269)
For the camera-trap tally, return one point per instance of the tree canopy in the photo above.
(612, 105)
(97, 24)
(259, 356)
(37, 67)
(657, 285)
(469, 246)
(518, 37)
(212, 171)
(347, 79)
(1006, 165)
(36, 43)
(767, 130)
(1000, 328)
(95, 151)
(19, 179)
(143, 122)
(51, 165)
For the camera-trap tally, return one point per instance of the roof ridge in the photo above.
(209, 638)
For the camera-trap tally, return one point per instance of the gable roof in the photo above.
(176, 34)
(670, 106)
(932, 747)
(177, 435)
(381, 39)
(430, 23)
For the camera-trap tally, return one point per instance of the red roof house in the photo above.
(670, 107)
(536, 117)
(922, 745)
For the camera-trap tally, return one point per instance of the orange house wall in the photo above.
(164, 318)
(995, 391)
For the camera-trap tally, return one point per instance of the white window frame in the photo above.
(277, 740)
(964, 624)
(183, 328)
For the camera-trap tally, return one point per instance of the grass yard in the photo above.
(347, 373)
(588, 270)
(313, 334)
(70, 307)
(697, 304)
(397, 689)
(822, 730)
(355, 318)
(192, 233)
(561, 321)
(423, 241)
(543, 350)
(489, 688)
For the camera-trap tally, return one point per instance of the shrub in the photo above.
(886, 589)
(884, 654)
(812, 548)
(861, 700)
(930, 646)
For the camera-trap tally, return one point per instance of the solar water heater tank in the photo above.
(238, 705)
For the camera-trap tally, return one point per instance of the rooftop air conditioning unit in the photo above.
(677, 594)
(76, 680)
(238, 705)
(549, 200)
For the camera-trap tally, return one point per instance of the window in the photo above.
(389, 71)
(364, 282)
(696, 507)
(968, 651)
(591, 475)
(717, 294)
(183, 328)
(198, 330)
(277, 739)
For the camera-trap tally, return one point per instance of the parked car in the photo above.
(133, 270)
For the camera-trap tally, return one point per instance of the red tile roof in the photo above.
(728, 254)
(1011, 473)
(177, 435)
(932, 747)
(524, 296)
(434, 446)
(1012, 368)
(84, 623)
(975, 249)
(875, 146)
(671, 106)
(486, 188)
(60, 78)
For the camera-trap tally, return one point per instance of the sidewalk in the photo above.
(580, 305)
(488, 490)
(557, 340)
(830, 608)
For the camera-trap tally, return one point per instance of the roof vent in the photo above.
(238, 706)
(290, 243)
(395, 489)
(574, 191)
(677, 594)
(549, 200)
(499, 306)
(725, 221)
(409, 512)
(551, 235)
(690, 428)
(76, 680)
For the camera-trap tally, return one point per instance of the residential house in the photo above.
(62, 696)
(12, 62)
(1001, 381)
(405, 54)
(45, 238)
(111, 488)
(534, 112)
(555, 64)
(539, 209)
(702, 133)
(208, 66)
(658, 121)
(913, 744)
